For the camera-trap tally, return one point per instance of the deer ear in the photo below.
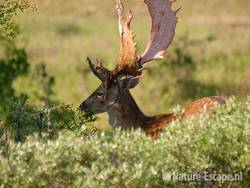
(130, 82)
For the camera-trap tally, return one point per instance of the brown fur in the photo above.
(157, 123)
(194, 110)
(197, 107)
(128, 114)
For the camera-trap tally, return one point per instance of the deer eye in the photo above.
(99, 94)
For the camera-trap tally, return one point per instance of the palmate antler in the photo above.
(127, 58)
(164, 21)
(163, 26)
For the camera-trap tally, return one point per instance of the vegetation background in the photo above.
(44, 78)
(209, 55)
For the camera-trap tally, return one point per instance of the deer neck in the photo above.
(125, 113)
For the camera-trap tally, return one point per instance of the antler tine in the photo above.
(99, 65)
(127, 62)
(121, 15)
(98, 69)
(164, 21)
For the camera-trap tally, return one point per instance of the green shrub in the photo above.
(13, 65)
(13, 60)
(19, 119)
(217, 143)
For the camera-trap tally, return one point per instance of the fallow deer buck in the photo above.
(113, 95)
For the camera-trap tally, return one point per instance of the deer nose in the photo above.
(83, 106)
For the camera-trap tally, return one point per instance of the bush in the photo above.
(217, 143)
(13, 60)
(14, 64)
(19, 119)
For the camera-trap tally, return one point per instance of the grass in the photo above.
(62, 33)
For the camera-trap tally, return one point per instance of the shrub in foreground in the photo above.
(216, 144)
(19, 119)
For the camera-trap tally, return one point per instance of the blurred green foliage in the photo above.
(46, 82)
(13, 60)
(8, 9)
(13, 65)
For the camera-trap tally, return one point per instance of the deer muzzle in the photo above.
(84, 108)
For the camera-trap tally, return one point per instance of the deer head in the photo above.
(107, 94)
(128, 70)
